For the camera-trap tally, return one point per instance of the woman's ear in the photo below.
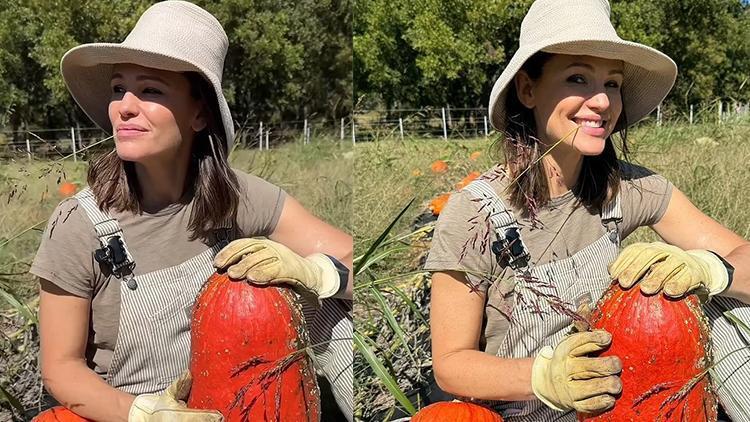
(200, 121)
(524, 89)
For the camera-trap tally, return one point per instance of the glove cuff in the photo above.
(329, 276)
(718, 275)
(143, 405)
(539, 376)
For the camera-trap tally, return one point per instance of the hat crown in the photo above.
(554, 21)
(180, 29)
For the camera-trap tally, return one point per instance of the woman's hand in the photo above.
(263, 261)
(659, 266)
(564, 378)
(170, 405)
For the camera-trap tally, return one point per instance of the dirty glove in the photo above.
(170, 405)
(660, 266)
(263, 261)
(564, 378)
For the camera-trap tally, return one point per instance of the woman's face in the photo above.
(154, 117)
(574, 91)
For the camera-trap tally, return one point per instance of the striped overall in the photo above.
(153, 340)
(537, 322)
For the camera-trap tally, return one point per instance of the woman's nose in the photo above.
(598, 101)
(128, 106)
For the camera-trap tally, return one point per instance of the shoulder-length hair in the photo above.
(215, 186)
(599, 180)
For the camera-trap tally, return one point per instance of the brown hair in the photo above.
(599, 180)
(214, 184)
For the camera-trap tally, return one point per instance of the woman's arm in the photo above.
(685, 226)
(460, 368)
(306, 234)
(63, 332)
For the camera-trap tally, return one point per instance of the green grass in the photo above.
(707, 162)
(319, 175)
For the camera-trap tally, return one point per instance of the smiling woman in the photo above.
(115, 336)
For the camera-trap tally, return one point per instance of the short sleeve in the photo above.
(260, 207)
(462, 242)
(645, 197)
(65, 254)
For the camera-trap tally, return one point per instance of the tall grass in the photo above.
(707, 162)
(319, 175)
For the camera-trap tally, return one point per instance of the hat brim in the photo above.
(87, 72)
(648, 75)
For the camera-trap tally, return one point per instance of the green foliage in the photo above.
(435, 52)
(287, 59)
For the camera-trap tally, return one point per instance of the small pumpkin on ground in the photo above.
(437, 204)
(67, 189)
(59, 414)
(248, 359)
(439, 166)
(456, 411)
(664, 347)
(468, 179)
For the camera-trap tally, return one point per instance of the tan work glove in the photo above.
(564, 378)
(263, 261)
(169, 406)
(660, 266)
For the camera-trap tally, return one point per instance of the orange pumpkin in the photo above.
(664, 347)
(468, 179)
(247, 355)
(59, 414)
(475, 155)
(456, 411)
(437, 204)
(439, 166)
(67, 189)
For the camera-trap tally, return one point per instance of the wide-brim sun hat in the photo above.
(172, 35)
(583, 27)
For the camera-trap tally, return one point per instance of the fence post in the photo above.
(720, 106)
(342, 128)
(691, 114)
(445, 129)
(73, 141)
(658, 115)
(268, 133)
(401, 127)
(28, 148)
(450, 123)
(304, 133)
(486, 133)
(354, 138)
(260, 137)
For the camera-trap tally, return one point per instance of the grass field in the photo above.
(319, 175)
(707, 162)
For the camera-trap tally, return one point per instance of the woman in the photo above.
(550, 221)
(139, 244)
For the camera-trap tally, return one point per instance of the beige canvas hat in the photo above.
(582, 27)
(172, 35)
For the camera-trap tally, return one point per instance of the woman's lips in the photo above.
(594, 131)
(129, 132)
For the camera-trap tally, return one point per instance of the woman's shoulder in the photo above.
(632, 172)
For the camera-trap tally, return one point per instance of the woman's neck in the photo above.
(161, 184)
(562, 169)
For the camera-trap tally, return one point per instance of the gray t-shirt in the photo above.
(155, 240)
(463, 236)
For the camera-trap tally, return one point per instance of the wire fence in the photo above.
(463, 123)
(79, 143)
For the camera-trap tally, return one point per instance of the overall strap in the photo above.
(508, 247)
(114, 250)
(611, 217)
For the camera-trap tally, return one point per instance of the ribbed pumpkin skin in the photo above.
(59, 414)
(456, 412)
(243, 359)
(663, 345)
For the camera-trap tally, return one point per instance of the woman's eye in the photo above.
(576, 79)
(118, 89)
(613, 84)
(151, 91)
